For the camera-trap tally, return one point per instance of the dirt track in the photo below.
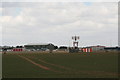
(69, 70)
(39, 65)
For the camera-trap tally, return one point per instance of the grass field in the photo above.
(60, 65)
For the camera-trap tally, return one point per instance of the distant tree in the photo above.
(62, 47)
(55, 47)
(12, 47)
(17, 47)
(20, 46)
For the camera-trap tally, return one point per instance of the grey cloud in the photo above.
(57, 22)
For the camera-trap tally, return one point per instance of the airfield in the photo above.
(35, 64)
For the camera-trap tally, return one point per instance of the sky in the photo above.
(56, 22)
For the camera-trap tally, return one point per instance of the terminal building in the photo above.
(39, 47)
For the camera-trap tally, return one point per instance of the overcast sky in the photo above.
(56, 22)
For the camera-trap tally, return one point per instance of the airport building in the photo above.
(97, 48)
(39, 47)
(93, 48)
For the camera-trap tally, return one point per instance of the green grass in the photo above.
(76, 65)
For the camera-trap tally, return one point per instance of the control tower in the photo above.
(75, 41)
(75, 48)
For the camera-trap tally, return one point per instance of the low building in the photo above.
(93, 48)
(7, 48)
(0, 48)
(86, 49)
(18, 49)
(108, 49)
(97, 48)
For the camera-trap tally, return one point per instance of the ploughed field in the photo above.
(59, 65)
